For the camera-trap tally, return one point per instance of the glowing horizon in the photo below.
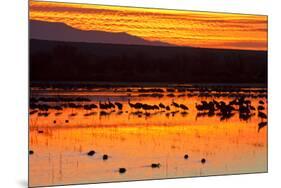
(181, 28)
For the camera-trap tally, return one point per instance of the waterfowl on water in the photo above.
(122, 170)
(261, 125)
(185, 156)
(89, 106)
(155, 107)
(203, 160)
(182, 106)
(168, 108)
(261, 102)
(105, 157)
(262, 115)
(261, 108)
(175, 104)
(161, 105)
(31, 152)
(136, 105)
(110, 104)
(199, 107)
(103, 106)
(155, 165)
(119, 105)
(91, 153)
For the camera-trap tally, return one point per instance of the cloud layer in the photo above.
(182, 28)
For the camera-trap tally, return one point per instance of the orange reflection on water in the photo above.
(134, 142)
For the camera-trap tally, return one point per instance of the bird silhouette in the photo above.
(261, 125)
(161, 105)
(182, 106)
(91, 153)
(262, 115)
(122, 170)
(119, 105)
(175, 104)
(155, 165)
(261, 108)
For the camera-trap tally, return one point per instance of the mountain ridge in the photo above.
(58, 31)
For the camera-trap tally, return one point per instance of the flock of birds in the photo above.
(219, 108)
(225, 110)
(122, 170)
(152, 165)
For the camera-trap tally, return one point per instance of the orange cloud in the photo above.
(182, 28)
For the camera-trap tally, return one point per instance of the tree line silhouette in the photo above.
(69, 61)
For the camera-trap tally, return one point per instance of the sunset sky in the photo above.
(182, 28)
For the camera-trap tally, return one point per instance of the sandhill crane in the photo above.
(199, 107)
(261, 125)
(110, 104)
(155, 107)
(102, 106)
(175, 104)
(262, 115)
(244, 109)
(119, 105)
(161, 105)
(136, 105)
(182, 106)
(130, 104)
(168, 108)
(261, 108)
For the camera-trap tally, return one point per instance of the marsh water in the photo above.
(62, 134)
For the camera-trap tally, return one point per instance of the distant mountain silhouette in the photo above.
(56, 31)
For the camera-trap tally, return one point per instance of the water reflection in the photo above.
(147, 132)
